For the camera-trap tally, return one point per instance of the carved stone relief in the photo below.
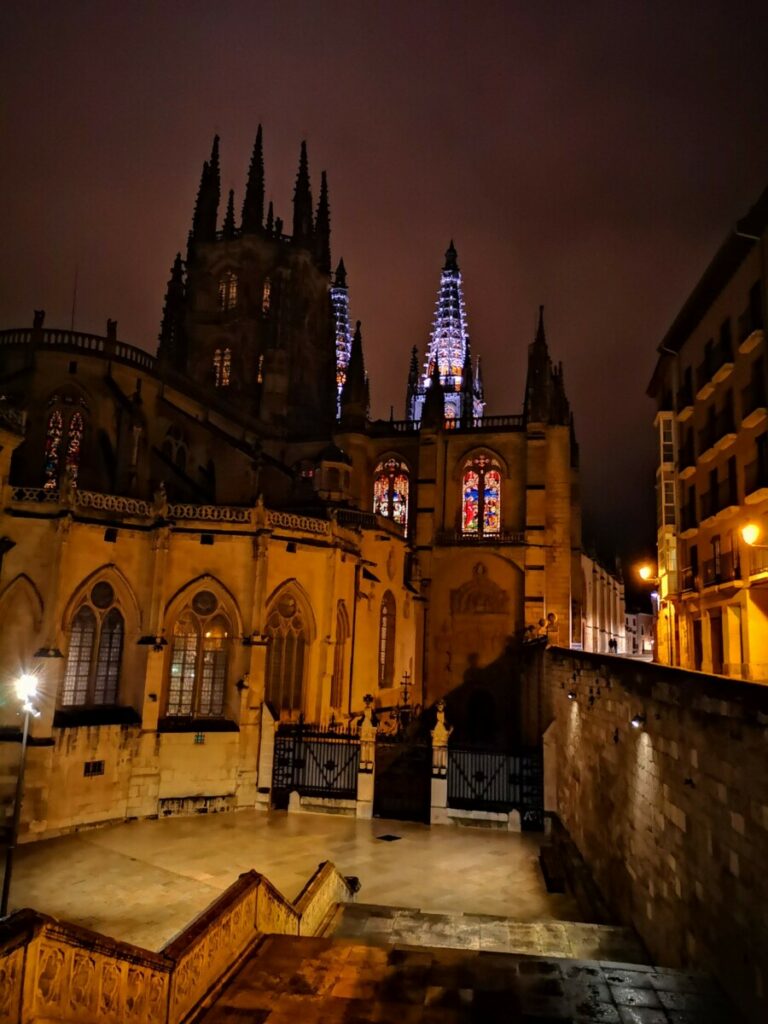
(49, 979)
(479, 596)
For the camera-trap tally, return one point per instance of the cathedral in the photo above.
(200, 542)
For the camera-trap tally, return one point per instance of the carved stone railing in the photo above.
(37, 494)
(211, 513)
(291, 521)
(367, 521)
(55, 971)
(94, 344)
(114, 503)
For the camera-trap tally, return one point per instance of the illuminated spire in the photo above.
(253, 204)
(340, 304)
(449, 344)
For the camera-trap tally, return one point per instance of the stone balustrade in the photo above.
(52, 970)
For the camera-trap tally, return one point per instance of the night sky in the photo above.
(586, 156)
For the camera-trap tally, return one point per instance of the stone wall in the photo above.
(670, 815)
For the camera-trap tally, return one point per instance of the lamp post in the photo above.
(649, 575)
(26, 690)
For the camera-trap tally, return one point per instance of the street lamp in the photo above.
(647, 575)
(26, 691)
(751, 534)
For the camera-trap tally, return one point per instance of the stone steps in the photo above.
(331, 979)
(381, 925)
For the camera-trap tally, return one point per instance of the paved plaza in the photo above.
(143, 881)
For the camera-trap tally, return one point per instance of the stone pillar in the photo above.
(266, 758)
(367, 767)
(438, 813)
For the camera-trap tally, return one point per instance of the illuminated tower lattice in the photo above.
(449, 348)
(340, 303)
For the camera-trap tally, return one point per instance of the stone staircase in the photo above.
(394, 964)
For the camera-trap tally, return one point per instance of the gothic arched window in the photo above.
(390, 491)
(288, 634)
(481, 497)
(266, 296)
(227, 291)
(92, 672)
(198, 672)
(387, 641)
(63, 440)
(339, 656)
(222, 367)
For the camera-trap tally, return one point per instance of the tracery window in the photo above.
(198, 669)
(174, 447)
(227, 291)
(92, 672)
(288, 633)
(339, 655)
(390, 491)
(222, 367)
(266, 296)
(481, 496)
(63, 443)
(387, 641)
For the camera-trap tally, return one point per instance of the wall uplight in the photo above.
(638, 721)
(571, 695)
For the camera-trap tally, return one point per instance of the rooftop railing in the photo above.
(78, 341)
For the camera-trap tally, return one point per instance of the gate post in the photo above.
(439, 791)
(266, 758)
(367, 764)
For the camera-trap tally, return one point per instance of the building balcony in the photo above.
(727, 499)
(754, 407)
(686, 461)
(751, 326)
(689, 524)
(755, 482)
(687, 580)
(720, 570)
(758, 561)
(685, 403)
(722, 364)
(451, 538)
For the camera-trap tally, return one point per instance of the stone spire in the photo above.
(467, 391)
(545, 398)
(355, 398)
(323, 228)
(433, 412)
(413, 383)
(253, 203)
(479, 386)
(342, 330)
(302, 203)
(172, 347)
(270, 228)
(208, 196)
(449, 342)
(228, 227)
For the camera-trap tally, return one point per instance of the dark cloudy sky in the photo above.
(589, 156)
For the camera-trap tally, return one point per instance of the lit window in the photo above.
(63, 442)
(95, 651)
(222, 367)
(53, 436)
(198, 671)
(266, 296)
(390, 491)
(481, 497)
(387, 641)
(286, 655)
(228, 291)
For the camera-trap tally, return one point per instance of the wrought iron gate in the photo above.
(488, 780)
(314, 762)
(401, 789)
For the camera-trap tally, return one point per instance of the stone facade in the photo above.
(671, 814)
(711, 391)
(603, 613)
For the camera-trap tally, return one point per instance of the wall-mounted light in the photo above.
(571, 695)
(638, 722)
(750, 534)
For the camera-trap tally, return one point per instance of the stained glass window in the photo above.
(286, 654)
(198, 671)
(92, 672)
(481, 497)
(74, 444)
(390, 491)
(53, 435)
(222, 367)
(228, 291)
(266, 296)
(387, 641)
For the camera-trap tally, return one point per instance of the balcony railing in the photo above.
(687, 579)
(448, 538)
(758, 560)
(78, 341)
(723, 569)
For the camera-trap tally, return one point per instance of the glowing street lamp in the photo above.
(26, 691)
(647, 575)
(750, 534)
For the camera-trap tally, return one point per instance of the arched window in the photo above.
(92, 672)
(339, 656)
(227, 291)
(63, 439)
(222, 367)
(390, 491)
(481, 497)
(266, 296)
(288, 634)
(387, 641)
(198, 671)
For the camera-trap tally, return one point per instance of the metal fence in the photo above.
(315, 762)
(487, 780)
